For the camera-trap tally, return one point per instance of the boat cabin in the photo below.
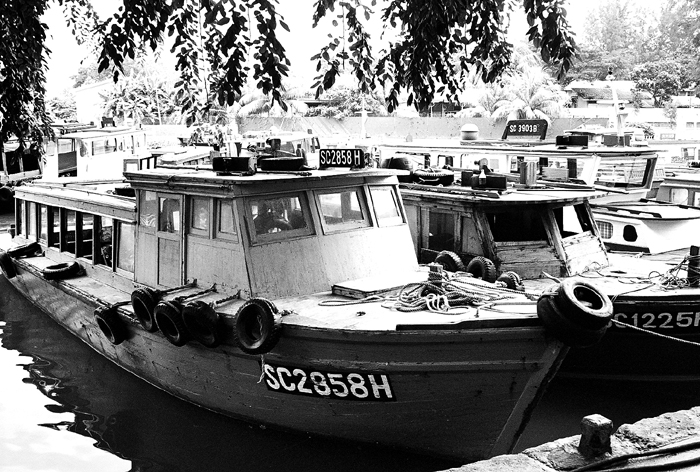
(92, 152)
(681, 189)
(266, 235)
(18, 163)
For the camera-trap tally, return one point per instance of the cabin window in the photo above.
(624, 172)
(441, 236)
(169, 215)
(148, 209)
(343, 209)
(679, 196)
(104, 146)
(43, 222)
(279, 217)
(104, 243)
(226, 224)
(518, 224)
(31, 221)
(199, 216)
(65, 145)
(125, 251)
(21, 216)
(605, 228)
(84, 225)
(68, 231)
(386, 206)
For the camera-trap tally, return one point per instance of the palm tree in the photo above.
(254, 102)
(530, 95)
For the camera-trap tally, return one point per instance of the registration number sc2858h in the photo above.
(325, 384)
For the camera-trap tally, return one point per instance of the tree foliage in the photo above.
(661, 79)
(342, 102)
(221, 45)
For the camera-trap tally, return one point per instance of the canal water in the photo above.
(65, 408)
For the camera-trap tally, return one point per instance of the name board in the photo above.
(525, 129)
(341, 158)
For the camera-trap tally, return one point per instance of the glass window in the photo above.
(679, 196)
(22, 217)
(105, 242)
(169, 215)
(226, 224)
(275, 215)
(68, 230)
(343, 208)
(200, 213)
(65, 145)
(44, 222)
(148, 209)
(31, 221)
(84, 243)
(125, 256)
(386, 206)
(442, 231)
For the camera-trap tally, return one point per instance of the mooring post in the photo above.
(595, 435)
(694, 266)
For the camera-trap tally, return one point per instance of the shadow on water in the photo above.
(154, 431)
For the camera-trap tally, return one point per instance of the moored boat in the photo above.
(291, 299)
(547, 229)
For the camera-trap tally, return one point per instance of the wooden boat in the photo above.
(291, 299)
(548, 230)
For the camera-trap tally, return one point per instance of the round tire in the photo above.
(450, 261)
(62, 270)
(256, 327)
(482, 268)
(24, 250)
(562, 328)
(144, 301)
(203, 323)
(583, 303)
(511, 280)
(168, 316)
(433, 177)
(8, 266)
(111, 325)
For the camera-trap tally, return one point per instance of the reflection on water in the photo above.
(64, 407)
(95, 416)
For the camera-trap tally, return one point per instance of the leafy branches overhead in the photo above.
(221, 46)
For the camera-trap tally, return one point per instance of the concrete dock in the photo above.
(680, 428)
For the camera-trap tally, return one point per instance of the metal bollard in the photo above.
(595, 435)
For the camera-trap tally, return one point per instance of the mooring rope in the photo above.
(654, 333)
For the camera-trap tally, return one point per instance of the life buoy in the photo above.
(62, 270)
(583, 303)
(511, 280)
(110, 324)
(168, 316)
(144, 301)
(8, 266)
(483, 268)
(433, 177)
(24, 250)
(257, 327)
(203, 323)
(562, 328)
(450, 261)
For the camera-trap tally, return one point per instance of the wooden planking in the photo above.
(584, 251)
(529, 261)
(217, 262)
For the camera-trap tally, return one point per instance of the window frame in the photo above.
(256, 239)
(329, 228)
(218, 234)
(397, 202)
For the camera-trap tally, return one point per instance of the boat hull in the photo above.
(457, 394)
(668, 328)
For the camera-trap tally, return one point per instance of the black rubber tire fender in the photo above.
(511, 280)
(583, 303)
(62, 270)
(24, 250)
(6, 194)
(168, 317)
(483, 268)
(8, 266)
(557, 325)
(433, 177)
(256, 326)
(144, 301)
(203, 323)
(450, 261)
(111, 325)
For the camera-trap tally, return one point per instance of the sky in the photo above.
(301, 44)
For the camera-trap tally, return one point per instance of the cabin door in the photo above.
(168, 238)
